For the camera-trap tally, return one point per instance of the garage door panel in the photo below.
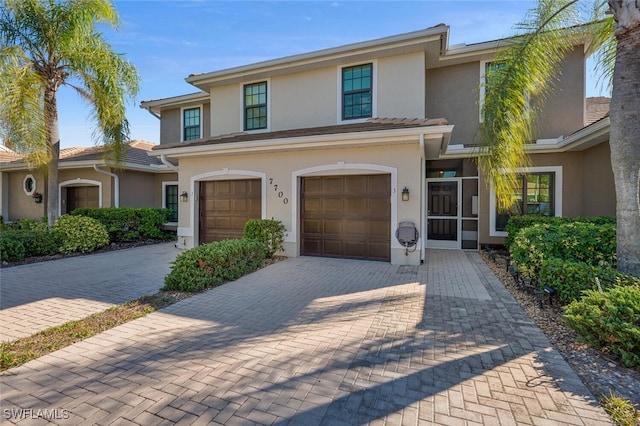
(225, 207)
(355, 213)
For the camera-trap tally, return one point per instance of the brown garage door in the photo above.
(226, 205)
(347, 216)
(82, 197)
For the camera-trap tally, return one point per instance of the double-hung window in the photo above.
(191, 123)
(535, 195)
(255, 106)
(357, 92)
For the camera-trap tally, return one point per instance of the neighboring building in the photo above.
(86, 179)
(345, 144)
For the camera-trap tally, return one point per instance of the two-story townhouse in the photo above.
(345, 145)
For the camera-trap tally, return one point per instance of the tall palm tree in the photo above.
(47, 44)
(516, 91)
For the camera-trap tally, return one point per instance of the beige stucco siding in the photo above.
(171, 122)
(19, 204)
(598, 186)
(138, 189)
(401, 86)
(285, 169)
(226, 109)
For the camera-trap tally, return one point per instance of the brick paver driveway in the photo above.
(312, 341)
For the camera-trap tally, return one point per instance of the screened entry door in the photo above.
(442, 214)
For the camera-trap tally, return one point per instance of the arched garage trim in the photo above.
(364, 167)
(223, 174)
(79, 182)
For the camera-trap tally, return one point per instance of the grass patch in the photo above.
(18, 352)
(622, 412)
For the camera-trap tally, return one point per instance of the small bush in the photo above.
(610, 319)
(129, 224)
(36, 242)
(81, 233)
(516, 223)
(622, 412)
(571, 279)
(269, 232)
(572, 241)
(212, 264)
(11, 249)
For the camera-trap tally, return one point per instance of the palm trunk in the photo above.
(53, 133)
(625, 139)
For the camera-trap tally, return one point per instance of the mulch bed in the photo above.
(599, 370)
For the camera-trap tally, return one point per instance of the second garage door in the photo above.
(225, 207)
(346, 216)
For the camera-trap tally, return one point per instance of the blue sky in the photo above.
(168, 40)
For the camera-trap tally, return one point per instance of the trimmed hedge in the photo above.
(11, 250)
(516, 223)
(571, 279)
(610, 319)
(571, 241)
(212, 264)
(81, 233)
(35, 242)
(128, 224)
(269, 232)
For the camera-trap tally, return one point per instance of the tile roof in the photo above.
(136, 154)
(372, 124)
(597, 108)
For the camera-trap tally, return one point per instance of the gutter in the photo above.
(163, 159)
(423, 201)
(116, 184)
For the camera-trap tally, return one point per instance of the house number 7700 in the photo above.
(284, 199)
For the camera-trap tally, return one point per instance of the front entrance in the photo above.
(442, 214)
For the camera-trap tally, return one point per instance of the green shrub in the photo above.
(516, 223)
(35, 242)
(212, 264)
(594, 244)
(269, 232)
(128, 224)
(11, 249)
(610, 319)
(571, 279)
(80, 233)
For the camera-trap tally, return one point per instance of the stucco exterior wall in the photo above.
(19, 204)
(285, 169)
(587, 186)
(171, 122)
(138, 189)
(598, 186)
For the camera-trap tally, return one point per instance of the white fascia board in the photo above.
(397, 41)
(310, 142)
(154, 104)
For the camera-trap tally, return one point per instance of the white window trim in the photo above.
(557, 195)
(200, 107)
(374, 90)
(242, 123)
(164, 197)
(24, 184)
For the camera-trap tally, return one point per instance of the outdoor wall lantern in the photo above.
(405, 194)
(184, 197)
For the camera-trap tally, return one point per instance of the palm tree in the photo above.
(47, 44)
(517, 88)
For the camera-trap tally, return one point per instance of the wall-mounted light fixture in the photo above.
(184, 197)
(405, 194)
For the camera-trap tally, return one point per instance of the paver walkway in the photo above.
(41, 295)
(311, 341)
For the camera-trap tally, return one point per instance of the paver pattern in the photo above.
(37, 296)
(313, 341)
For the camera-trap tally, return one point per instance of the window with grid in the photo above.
(534, 196)
(191, 124)
(171, 201)
(357, 97)
(255, 106)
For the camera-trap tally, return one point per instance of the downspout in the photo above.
(116, 184)
(166, 162)
(423, 201)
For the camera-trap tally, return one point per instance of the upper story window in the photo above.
(191, 123)
(487, 70)
(357, 92)
(255, 106)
